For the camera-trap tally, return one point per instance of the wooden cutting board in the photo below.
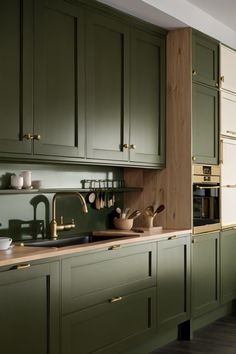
(118, 233)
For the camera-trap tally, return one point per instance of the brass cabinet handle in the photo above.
(115, 299)
(115, 247)
(126, 146)
(222, 79)
(28, 136)
(221, 160)
(194, 72)
(22, 266)
(172, 237)
(132, 146)
(36, 136)
(230, 186)
(231, 132)
(193, 240)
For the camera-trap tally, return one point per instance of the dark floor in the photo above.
(217, 338)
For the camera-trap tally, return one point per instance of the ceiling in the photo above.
(217, 18)
(222, 10)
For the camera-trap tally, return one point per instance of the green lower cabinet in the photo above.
(112, 326)
(173, 281)
(205, 123)
(90, 279)
(228, 265)
(205, 273)
(29, 297)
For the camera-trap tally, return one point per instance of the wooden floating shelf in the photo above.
(55, 190)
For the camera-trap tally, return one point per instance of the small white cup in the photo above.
(16, 181)
(26, 178)
(5, 243)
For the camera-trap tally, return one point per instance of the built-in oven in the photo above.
(206, 198)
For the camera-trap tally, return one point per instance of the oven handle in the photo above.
(207, 187)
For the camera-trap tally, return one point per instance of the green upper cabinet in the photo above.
(147, 98)
(107, 72)
(59, 79)
(16, 72)
(125, 92)
(205, 124)
(205, 273)
(173, 281)
(205, 60)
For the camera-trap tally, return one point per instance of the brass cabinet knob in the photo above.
(126, 146)
(28, 136)
(194, 158)
(132, 146)
(222, 79)
(194, 72)
(217, 85)
(36, 136)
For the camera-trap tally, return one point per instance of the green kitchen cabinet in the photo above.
(173, 281)
(205, 124)
(147, 98)
(29, 297)
(228, 265)
(205, 60)
(91, 279)
(16, 72)
(125, 93)
(205, 273)
(107, 71)
(59, 79)
(109, 296)
(113, 326)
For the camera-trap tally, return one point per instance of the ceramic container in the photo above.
(5, 242)
(123, 224)
(16, 182)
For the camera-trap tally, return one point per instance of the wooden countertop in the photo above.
(17, 254)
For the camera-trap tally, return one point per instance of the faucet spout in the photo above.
(53, 225)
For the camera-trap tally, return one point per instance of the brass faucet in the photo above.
(54, 227)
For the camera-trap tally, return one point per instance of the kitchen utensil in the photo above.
(125, 212)
(118, 210)
(134, 214)
(97, 201)
(91, 197)
(159, 209)
(149, 210)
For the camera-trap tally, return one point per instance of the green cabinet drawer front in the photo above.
(205, 124)
(91, 279)
(30, 310)
(147, 98)
(228, 265)
(59, 79)
(107, 66)
(173, 281)
(16, 52)
(110, 327)
(205, 273)
(205, 60)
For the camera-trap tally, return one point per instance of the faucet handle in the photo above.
(62, 220)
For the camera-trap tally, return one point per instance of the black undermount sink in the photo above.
(63, 242)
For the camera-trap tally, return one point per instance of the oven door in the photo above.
(206, 216)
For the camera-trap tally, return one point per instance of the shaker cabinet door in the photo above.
(205, 124)
(228, 114)
(16, 73)
(205, 60)
(59, 79)
(228, 69)
(147, 100)
(107, 67)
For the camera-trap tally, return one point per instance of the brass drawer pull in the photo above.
(132, 146)
(231, 132)
(115, 299)
(36, 136)
(23, 266)
(222, 79)
(194, 72)
(115, 247)
(125, 146)
(28, 136)
(172, 237)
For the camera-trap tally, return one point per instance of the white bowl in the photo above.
(5, 243)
